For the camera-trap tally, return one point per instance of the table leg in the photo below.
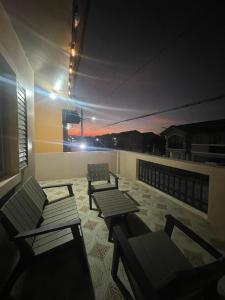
(112, 223)
(127, 224)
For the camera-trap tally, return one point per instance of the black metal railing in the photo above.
(189, 187)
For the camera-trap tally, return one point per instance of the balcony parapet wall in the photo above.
(50, 166)
(128, 167)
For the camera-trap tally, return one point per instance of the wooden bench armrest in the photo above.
(68, 184)
(116, 179)
(114, 175)
(88, 178)
(171, 222)
(56, 185)
(46, 229)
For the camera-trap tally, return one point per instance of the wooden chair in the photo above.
(157, 269)
(38, 228)
(99, 179)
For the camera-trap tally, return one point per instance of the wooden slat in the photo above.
(35, 192)
(52, 243)
(41, 239)
(112, 203)
(49, 211)
(61, 218)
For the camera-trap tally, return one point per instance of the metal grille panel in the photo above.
(189, 187)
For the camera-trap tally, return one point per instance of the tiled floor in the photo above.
(153, 207)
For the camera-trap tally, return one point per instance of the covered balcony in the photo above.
(71, 72)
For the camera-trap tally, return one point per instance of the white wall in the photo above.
(13, 52)
(70, 164)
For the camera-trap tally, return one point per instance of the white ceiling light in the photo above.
(52, 96)
(58, 85)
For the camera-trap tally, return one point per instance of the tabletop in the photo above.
(114, 203)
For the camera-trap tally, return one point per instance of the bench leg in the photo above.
(90, 201)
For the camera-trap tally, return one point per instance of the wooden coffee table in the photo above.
(114, 206)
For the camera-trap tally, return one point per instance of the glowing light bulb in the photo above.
(52, 96)
(76, 20)
(73, 52)
(82, 146)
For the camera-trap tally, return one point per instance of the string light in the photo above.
(76, 20)
(73, 52)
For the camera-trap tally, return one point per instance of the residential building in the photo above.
(202, 142)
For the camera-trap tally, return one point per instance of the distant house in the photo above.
(134, 140)
(130, 140)
(203, 141)
(153, 143)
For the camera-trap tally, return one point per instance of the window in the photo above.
(176, 142)
(13, 123)
(22, 126)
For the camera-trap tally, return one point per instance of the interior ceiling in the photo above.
(44, 29)
(141, 57)
(138, 57)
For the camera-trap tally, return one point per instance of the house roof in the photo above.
(197, 127)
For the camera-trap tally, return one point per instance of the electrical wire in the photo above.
(187, 105)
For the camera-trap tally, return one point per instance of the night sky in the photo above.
(141, 57)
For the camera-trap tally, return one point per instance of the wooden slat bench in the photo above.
(38, 226)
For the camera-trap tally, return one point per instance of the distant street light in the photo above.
(82, 146)
(93, 118)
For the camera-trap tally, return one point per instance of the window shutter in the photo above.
(22, 126)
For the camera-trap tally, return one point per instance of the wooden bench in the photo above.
(37, 226)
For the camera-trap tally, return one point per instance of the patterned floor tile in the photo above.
(99, 250)
(90, 224)
(113, 293)
(153, 207)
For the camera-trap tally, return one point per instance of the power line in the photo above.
(187, 105)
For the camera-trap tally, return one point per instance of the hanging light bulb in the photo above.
(76, 20)
(73, 52)
(70, 70)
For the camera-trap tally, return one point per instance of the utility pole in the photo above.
(81, 123)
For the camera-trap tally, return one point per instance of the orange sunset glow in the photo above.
(74, 132)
